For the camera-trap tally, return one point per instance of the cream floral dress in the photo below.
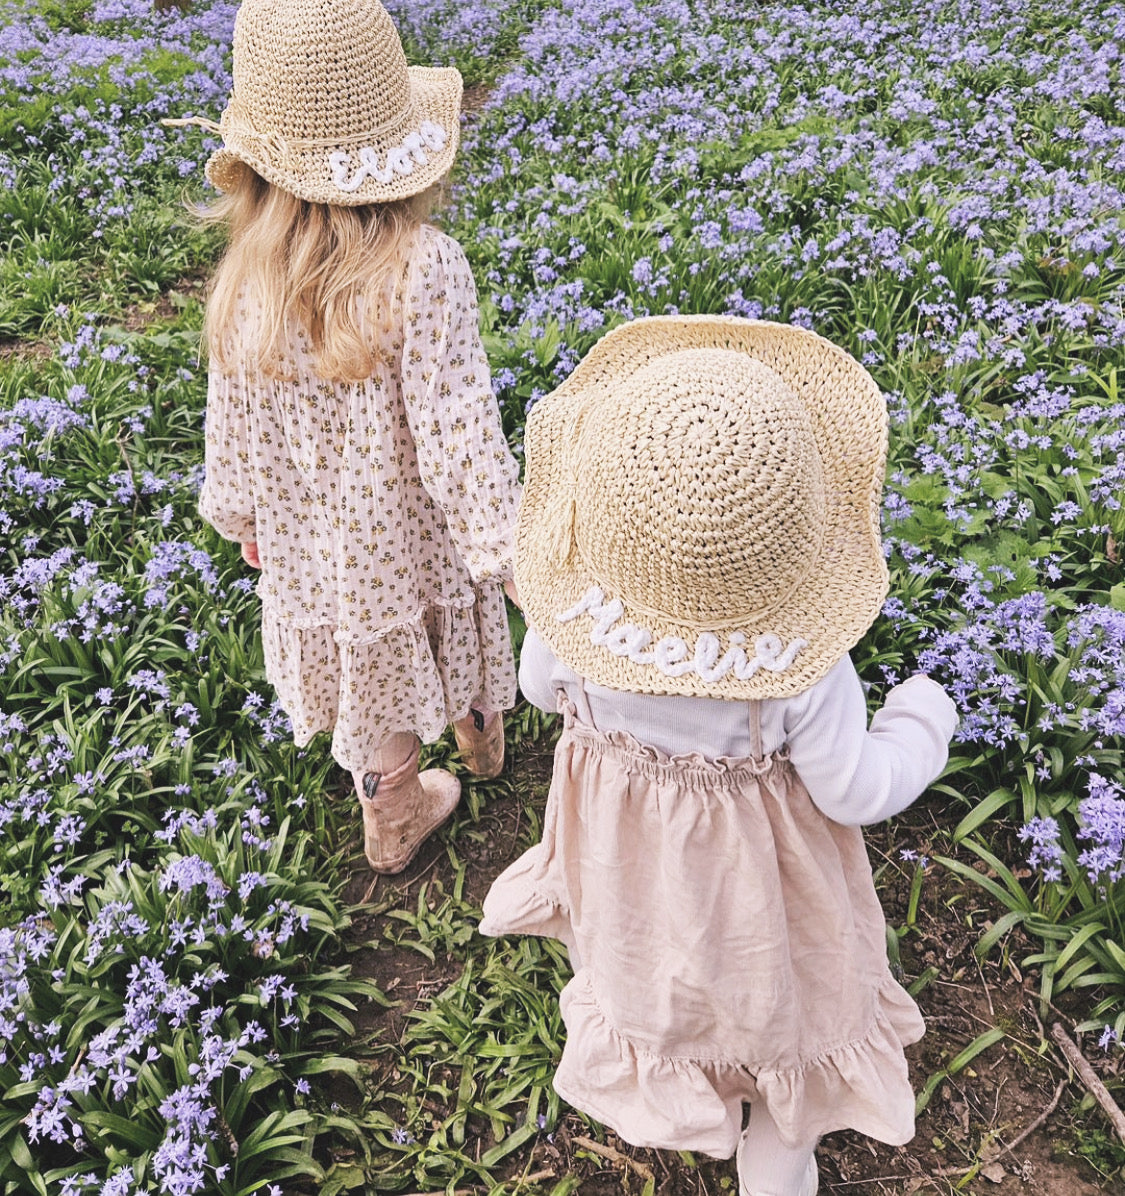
(383, 511)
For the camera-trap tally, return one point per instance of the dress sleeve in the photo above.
(858, 775)
(226, 500)
(463, 456)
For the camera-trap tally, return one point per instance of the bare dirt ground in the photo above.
(1013, 1119)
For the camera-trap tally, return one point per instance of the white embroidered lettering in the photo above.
(400, 159)
(671, 655)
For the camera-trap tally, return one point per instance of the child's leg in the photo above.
(480, 736)
(767, 1167)
(401, 806)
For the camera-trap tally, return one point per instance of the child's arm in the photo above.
(463, 456)
(540, 680)
(858, 775)
(227, 499)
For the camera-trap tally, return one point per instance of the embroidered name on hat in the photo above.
(671, 655)
(400, 159)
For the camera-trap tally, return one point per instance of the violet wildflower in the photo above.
(1046, 850)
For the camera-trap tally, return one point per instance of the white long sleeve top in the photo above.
(855, 774)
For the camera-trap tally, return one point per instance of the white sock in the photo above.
(767, 1167)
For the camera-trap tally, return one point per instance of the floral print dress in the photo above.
(384, 512)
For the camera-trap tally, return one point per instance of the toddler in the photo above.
(354, 446)
(697, 550)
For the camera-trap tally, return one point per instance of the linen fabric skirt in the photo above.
(728, 943)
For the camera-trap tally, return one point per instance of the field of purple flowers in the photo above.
(938, 187)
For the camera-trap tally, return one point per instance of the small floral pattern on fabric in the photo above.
(384, 512)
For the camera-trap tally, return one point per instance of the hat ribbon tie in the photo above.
(273, 147)
(185, 122)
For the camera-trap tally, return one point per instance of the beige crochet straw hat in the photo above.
(325, 106)
(701, 511)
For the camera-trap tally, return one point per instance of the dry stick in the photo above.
(371, 890)
(1090, 1079)
(614, 1156)
(1038, 1121)
(875, 1179)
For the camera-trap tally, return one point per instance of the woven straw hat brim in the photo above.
(307, 172)
(846, 583)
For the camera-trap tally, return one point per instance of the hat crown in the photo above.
(318, 69)
(709, 461)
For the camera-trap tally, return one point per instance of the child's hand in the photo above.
(513, 593)
(250, 554)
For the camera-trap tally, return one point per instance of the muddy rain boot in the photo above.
(401, 806)
(480, 736)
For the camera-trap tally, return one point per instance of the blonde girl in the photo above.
(353, 443)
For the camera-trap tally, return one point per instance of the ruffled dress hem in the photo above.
(676, 1103)
(416, 676)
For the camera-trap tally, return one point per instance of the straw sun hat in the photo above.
(701, 511)
(325, 106)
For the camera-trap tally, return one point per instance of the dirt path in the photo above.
(1009, 1120)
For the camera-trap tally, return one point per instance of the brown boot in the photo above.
(480, 737)
(401, 806)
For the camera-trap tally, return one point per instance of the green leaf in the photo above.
(125, 1129)
(1076, 944)
(514, 1140)
(984, 812)
(979, 1044)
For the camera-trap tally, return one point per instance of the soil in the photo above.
(1011, 1120)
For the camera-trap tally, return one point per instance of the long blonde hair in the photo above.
(307, 266)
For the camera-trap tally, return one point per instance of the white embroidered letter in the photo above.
(341, 164)
(399, 159)
(707, 662)
(416, 147)
(669, 653)
(769, 651)
(628, 640)
(433, 135)
(592, 597)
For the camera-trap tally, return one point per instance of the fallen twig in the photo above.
(1054, 1104)
(614, 1156)
(370, 892)
(1089, 1079)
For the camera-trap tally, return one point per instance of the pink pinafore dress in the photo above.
(728, 947)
